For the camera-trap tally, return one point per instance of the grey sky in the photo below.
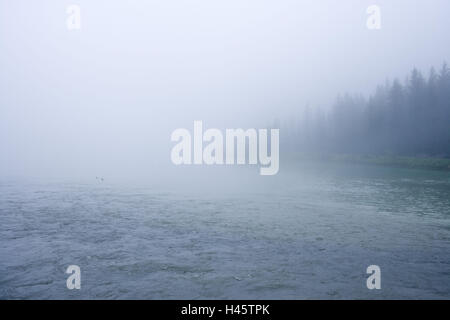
(106, 97)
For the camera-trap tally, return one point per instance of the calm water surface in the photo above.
(308, 232)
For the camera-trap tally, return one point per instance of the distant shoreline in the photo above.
(441, 164)
(417, 162)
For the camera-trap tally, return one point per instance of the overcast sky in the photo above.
(105, 98)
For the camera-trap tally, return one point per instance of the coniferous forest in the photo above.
(401, 118)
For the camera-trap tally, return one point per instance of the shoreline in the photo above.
(431, 163)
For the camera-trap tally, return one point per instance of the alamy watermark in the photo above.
(374, 19)
(214, 152)
(74, 280)
(73, 21)
(374, 280)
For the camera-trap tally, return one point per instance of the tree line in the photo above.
(409, 118)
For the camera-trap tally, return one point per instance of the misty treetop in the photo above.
(410, 118)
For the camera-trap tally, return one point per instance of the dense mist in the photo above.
(409, 118)
(104, 99)
(224, 149)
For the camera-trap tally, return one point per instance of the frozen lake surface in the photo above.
(308, 232)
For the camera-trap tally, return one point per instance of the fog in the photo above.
(103, 100)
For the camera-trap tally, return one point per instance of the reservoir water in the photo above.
(309, 232)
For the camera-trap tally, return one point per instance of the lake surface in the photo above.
(309, 232)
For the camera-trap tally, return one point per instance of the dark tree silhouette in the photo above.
(410, 119)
